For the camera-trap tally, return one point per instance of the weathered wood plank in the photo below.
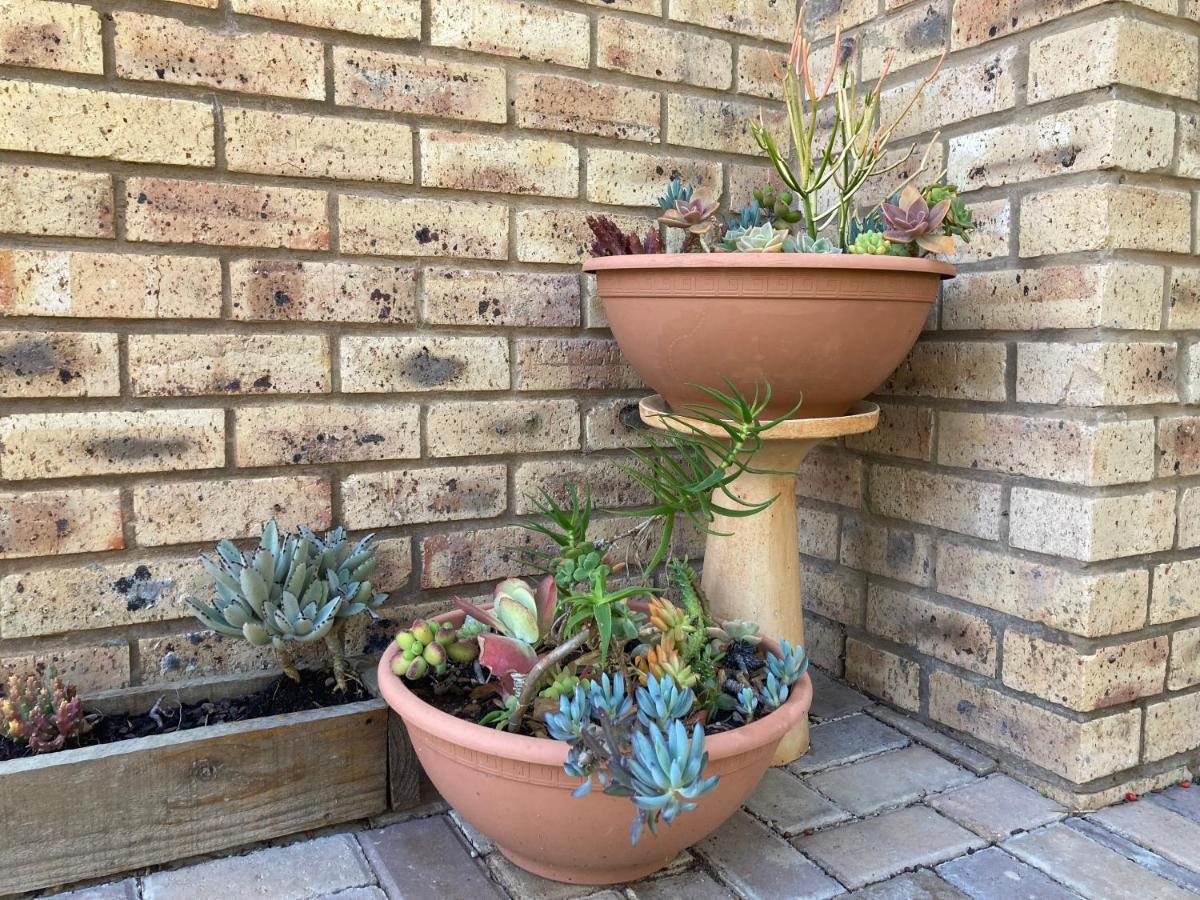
(96, 810)
(404, 769)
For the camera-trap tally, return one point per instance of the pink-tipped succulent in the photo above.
(41, 713)
(693, 214)
(913, 221)
(521, 617)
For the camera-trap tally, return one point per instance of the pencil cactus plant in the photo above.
(293, 589)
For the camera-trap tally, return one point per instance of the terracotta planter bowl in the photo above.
(828, 328)
(513, 789)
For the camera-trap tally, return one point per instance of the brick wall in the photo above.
(318, 260)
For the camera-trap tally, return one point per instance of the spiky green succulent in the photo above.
(763, 239)
(802, 243)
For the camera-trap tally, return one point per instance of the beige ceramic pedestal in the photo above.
(753, 573)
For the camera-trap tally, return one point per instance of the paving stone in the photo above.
(832, 699)
(1147, 859)
(902, 776)
(295, 872)
(1088, 867)
(1185, 801)
(923, 885)
(791, 806)
(363, 893)
(757, 864)
(425, 860)
(480, 842)
(522, 884)
(114, 890)
(1156, 828)
(992, 874)
(845, 740)
(942, 743)
(695, 885)
(996, 807)
(860, 853)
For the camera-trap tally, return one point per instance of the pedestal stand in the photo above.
(754, 572)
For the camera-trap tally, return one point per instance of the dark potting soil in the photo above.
(315, 691)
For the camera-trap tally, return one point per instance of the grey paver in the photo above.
(425, 858)
(923, 885)
(992, 874)
(860, 853)
(362, 893)
(480, 842)
(832, 699)
(977, 762)
(1156, 828)
(758, 864)
(845, 740)
(996, 807)
(694, 885)
(522, 884)
(791, 806)
(295, 872)
(1147, 859)
(113, 890)
(1089, 868)
(902, 776)
(1185, 801)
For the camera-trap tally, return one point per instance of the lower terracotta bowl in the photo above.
(825, 328)
(513, 788)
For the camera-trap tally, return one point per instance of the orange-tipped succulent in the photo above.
(697, 216)
(665, 660)
(669, 620)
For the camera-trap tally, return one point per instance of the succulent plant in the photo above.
(665, 660)
(290, 590)
(871, 243)
(695, 216)
(41, 713)
(959, 221)
(676, 191)
(778, 205)
(802, 243)
(733, 630)
(789, 664)
(666, 618)
(749, 216)
(574, 712)
(730, 238)
(562, 682)
(521, 618)
(662, 700)
(428, 646)
(609, 695)
(914, 221)
(668, 774)
(577, 570)
(763, 239)
(773, 692)
(747, 703)
(612, 241)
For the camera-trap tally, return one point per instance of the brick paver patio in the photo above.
(882, 807)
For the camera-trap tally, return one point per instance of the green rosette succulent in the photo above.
(802, 243)
(763, 239)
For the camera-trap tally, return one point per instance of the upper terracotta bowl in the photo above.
(825, 328)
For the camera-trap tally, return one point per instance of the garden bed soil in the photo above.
(316, 690)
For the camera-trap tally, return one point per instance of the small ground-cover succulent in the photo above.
(631, 674)
(841, 144)
(292, 589)
(41, 712)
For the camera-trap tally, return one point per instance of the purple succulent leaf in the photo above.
(546, 600)
(938, 214)
(502, 656)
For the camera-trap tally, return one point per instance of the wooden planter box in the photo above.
(96, 811)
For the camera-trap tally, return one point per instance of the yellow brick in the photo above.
(1172, 726)
(933, 498)
(1109, 373)
(832, 592)
(943, 632)
(882, 674)
(721, 125)
(613, 423)
(35, 200)
(829, 475)
(637, 48)
(1185, 659)
(108, 285)
(1092, 605)
(62, 36)
(1176, 591)
(91, 668)
(954, 370)
(58, 364)
(991, 238)
(913, 36)
(413, 496)
(511, 28)
(151, 48)
(46, 523)
(884, 550)
(572, 364)
(817, 532)
(480, 297)
(305, 146)
(1178, 445)
(1108, 676)
(470, 428)
(1118, 50)
(757, 72)
(608, 486)
(770, 19)
(410, 84)
(51, 118)
(1091, 528)
(639, 179)
(977, 21)
(309, 433)
(904, 431)
(1067, 450)
(469, 557)
(181, 512)
(281, 290)
(188, 365)
(562, 235)
(569, 104)
(1183, 298)
(1105, 217)
(379, 18)
(240, 215)
(423, 227)
(481, 162)
(959, 92)
(59, 445)
(1189, 518)
(424, 363)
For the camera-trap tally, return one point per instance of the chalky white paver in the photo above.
(892, 779)
(996, 807)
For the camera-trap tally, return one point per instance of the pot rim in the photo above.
(549, 752)
(865, 262)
